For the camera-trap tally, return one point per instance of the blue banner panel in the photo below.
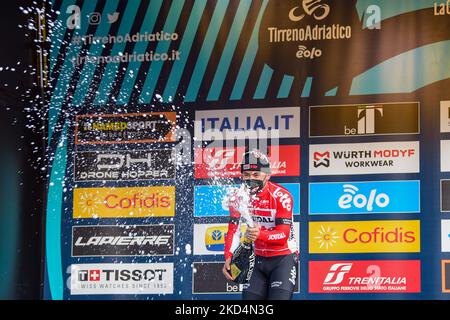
(364, 197)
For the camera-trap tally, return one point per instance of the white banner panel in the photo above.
(364, 158)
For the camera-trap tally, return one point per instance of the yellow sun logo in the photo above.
(327, 237)
(89, 203)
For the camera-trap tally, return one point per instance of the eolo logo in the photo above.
(364, 236)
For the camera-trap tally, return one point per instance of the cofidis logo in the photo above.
(364, 236)
(124, 202)
(364, 197)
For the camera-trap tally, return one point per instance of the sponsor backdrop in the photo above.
(153, 102)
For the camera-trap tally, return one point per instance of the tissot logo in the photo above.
(123, 278)
(384, 276)
(312, 8)
(364, 119)
(364, 158)
(125, 165)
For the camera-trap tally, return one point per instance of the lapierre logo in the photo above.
(124, 165)
(364, 119)
(364, 236)
(136, 240)
(364, 197)
(123, 278)
(382, 276)
(312, 8)
(368, 158)
(135, 202)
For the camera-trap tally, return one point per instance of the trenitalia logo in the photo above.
(337, 273)
(125, 128)
(364, 158)
(226, 162)
(364, 236)
(135, 202)
(381, 276)
(364, 119)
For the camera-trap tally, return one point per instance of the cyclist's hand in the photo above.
(226, 269)
(252, 233)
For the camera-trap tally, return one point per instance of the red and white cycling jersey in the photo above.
(272, 210)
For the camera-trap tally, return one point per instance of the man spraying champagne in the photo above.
(276, 257)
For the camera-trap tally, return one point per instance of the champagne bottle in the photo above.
(243, 259)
